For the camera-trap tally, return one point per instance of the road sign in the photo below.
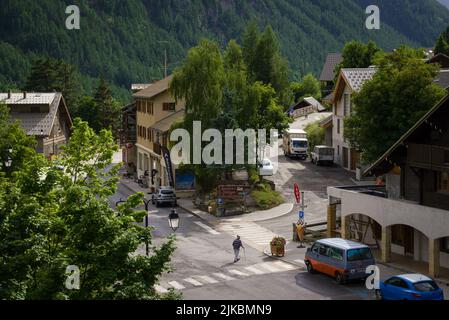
(301, 215)
(297, 194)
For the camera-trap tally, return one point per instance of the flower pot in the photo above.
(278, 251)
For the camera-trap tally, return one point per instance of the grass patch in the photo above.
(266, 198)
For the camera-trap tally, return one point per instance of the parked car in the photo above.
(339, 258)
(266, 168)
(322, 154)
(409, 287)
(163, 195)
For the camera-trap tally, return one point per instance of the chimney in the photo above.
(24, 94)
(9, 94)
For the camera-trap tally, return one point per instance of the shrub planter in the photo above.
(278, 247)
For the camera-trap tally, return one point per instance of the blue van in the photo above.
(339, 258)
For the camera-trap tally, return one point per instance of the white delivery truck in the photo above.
(295, 143)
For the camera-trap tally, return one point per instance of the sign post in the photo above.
(300, 225)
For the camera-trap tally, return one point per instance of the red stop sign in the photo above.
(297, 193)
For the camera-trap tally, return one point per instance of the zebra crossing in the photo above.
(196, 281)
(251, 232)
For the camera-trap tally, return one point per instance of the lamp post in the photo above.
(173, 220)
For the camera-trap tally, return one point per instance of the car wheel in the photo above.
(339, 278)
(310, 268)
(378, 294)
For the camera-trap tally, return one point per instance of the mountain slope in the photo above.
(125, 40)
(444, 2)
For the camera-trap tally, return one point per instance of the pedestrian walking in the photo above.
(237, 244)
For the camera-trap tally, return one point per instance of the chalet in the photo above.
(327, 75)
(349, 81)
(305, 107)
(42, 115)
(406, 214)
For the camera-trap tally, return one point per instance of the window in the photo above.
(168, 106)
(149, 135)
(443, 182)
(397, 283)
(324, 250)
(150, 107)
(426, 286)
(336, 254)
(316, 248)
(359, 254)
(299, 144)
(338, 126)
(347, 104)
(338, 150)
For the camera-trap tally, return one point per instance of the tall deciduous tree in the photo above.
(402, 90)
(308, 87)
(51, 219)
(359, 55)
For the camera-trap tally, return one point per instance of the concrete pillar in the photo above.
(386, 244)
(331, 220)
(434, 258)
(345, 232)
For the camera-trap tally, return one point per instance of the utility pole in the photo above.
(165, 59)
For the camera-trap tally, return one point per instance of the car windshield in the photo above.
(359, 254)
(426, 286)
(167, 191)
(326, 151)
(299, 144)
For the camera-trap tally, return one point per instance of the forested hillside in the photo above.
(125, 40)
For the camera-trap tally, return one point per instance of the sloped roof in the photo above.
(36, 124)
(326, 122)
(164, 124)
(384, 158)
(155, 88)
(313, 102)
(356, 77)
(332, 59)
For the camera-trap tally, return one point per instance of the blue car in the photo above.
(409, 287)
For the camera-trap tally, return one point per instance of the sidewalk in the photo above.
(283, 209)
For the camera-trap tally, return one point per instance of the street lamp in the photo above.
(173, 220)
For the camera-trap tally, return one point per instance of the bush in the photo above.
(266, 198)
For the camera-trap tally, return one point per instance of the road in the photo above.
(203, 268)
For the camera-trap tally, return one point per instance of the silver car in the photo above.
(164, 195)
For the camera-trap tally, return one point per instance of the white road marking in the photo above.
(300, 261)
(284, 265)
(239, 273)
(176, 285)
(207, 228)
(207, 279)
(194, 282)
(255, 270)
(160, 289)
(223, 276)
(269, 267)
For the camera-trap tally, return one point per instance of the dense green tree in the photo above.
(50, 219)
(108, 109)
(315, 135)
(359, 55)
(442, 44)
(308, 87)
(48, 75)
(13, 137)
(402, 90)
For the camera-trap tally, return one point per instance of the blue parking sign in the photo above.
(301, 214)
